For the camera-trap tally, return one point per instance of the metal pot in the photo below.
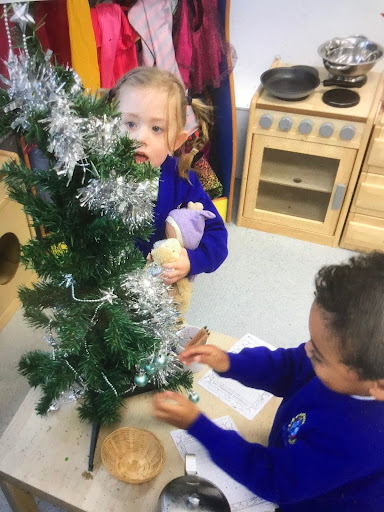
(192, 492)
(350, 56)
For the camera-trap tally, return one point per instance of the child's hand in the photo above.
(175, 409)
(213, 356)
(175, 271)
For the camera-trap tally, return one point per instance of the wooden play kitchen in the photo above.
(303, 160)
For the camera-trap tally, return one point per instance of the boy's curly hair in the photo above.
(352, 294)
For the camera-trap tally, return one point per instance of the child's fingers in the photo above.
(170, 395)
(161, 408)
(206, 354)
(182, 265)
(200, 353)
(164, 396)
(189, 360)
(169, 276)
(166, 400)
(170, 266)
(174, 408)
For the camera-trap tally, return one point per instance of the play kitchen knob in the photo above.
(266, 121)
(347, 132)
(326, 129)
(305, 126)
(192, 492)
(285, 124)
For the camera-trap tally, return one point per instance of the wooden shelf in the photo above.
(291, 201)
(303, 171)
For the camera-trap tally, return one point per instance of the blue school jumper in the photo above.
(176, 192)
(326, 450)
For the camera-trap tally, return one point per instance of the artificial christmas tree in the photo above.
(111, 325)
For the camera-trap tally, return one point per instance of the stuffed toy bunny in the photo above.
(184, 227)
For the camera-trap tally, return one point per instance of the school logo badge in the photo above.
(294, 427)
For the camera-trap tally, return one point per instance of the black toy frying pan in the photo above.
(290, 83)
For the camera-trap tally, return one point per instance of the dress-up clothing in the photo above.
(53, 33)
(182, 39)
(174, 192)
(115, 41)
(152, 20)
(326, 450)
(200, 44)
(83, 45)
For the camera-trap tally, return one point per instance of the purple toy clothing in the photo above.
(325, 450)
(176, 192)
(189, 225)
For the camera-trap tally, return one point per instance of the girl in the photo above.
(153, 106)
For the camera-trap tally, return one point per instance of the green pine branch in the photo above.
(101, 407)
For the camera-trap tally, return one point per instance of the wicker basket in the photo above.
(132, 455)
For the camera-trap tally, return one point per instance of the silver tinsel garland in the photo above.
(31, 87)
(102, 135)
(121, 198)
(148, 299)
(66, 139)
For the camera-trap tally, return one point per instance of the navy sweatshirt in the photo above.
(176, 192)
(326, 450)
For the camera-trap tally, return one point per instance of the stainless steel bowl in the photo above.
(350, 56)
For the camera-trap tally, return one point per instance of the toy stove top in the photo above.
(314, 104)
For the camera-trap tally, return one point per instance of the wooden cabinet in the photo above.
(14, 230)
(363, 233)
(364, 228)
(370, 195)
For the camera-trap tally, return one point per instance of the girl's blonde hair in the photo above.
(159, 79)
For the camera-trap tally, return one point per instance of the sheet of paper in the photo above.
(238, 496)
(246, 401)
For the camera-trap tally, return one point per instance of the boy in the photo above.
(326, 446)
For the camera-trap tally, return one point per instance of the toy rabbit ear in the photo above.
(207, 214)
(195, 206)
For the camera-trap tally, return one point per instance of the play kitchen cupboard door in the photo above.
(296, 188)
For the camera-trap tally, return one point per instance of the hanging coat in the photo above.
(115, 41)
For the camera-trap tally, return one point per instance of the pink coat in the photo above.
(115, 41)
